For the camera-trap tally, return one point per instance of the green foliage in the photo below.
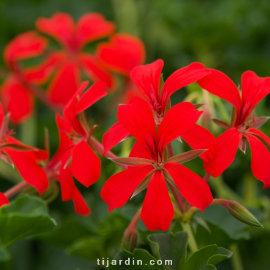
(26, 216)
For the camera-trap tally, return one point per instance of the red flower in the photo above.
(147, 79)
(3, 199)
(15, 91)
(153, 170)
(242, 127)
(23, 157)
(121, 54)
(74, 156)
(73, 37)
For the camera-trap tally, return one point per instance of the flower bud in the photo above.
(239, 212)
(130, 239)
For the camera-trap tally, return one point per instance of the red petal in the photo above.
(193, 188)
(254, 89)
(259, 134)
(198, 137)
(228, 144)
(122, 53)
(26, 45)
(138, 150)
(95, 71)
(138, 119)
(147, 79)
(70, 110)
(64, 142)
(80, 204)
(64, 84)
(67, 183)
(157, 211)
(26, 163)
(3, 200)
(91, 96)
(2, 115)
(60, 26)
(17, 100)
(260, 164)
(113, 136)
(180, 78)
(40, 74)
(222, 86)
(118, 189)
(85, 164)
(92, 26)
(177, 121)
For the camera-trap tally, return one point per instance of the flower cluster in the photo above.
(145, 115)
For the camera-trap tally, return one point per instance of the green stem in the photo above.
(236, 258)
(191, 239)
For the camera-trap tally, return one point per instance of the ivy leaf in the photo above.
(169, 247)
(24, 217)
(205, 258)
(4, 255)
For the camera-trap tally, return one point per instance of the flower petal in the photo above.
(26, 163)
(95, 70)
(193, 188)
(64, 142)
(91, 96)
(228, 145)
(113, 136)
(85, 164)
(177, 121)
(260, 164)
(92, 26)
(254, 89)
(198, 137)
(64, 83)
(3, 199)
(66, 179)
(147, 79)
(80, 204)
(17, 100)
(23, 46)
(157, 211)
(40, 74)
(139, 150)
(138, 119)
(118, 189)
(122, 53)
(259, 134)
(180, 78)
(219, 84)
(60, 26)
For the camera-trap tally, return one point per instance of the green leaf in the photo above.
(205, 258)
(224, 228)
(169, 247)
(62, 237)
(24, 217)
(4, 255)
(139, 260)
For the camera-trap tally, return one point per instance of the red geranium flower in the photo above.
(147, 79)
(74, 156)
(153, 170)
(23, 157)
(16, 89)
(73, 37)
(121, 54)
(242, 127)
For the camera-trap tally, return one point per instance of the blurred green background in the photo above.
(232, 36)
